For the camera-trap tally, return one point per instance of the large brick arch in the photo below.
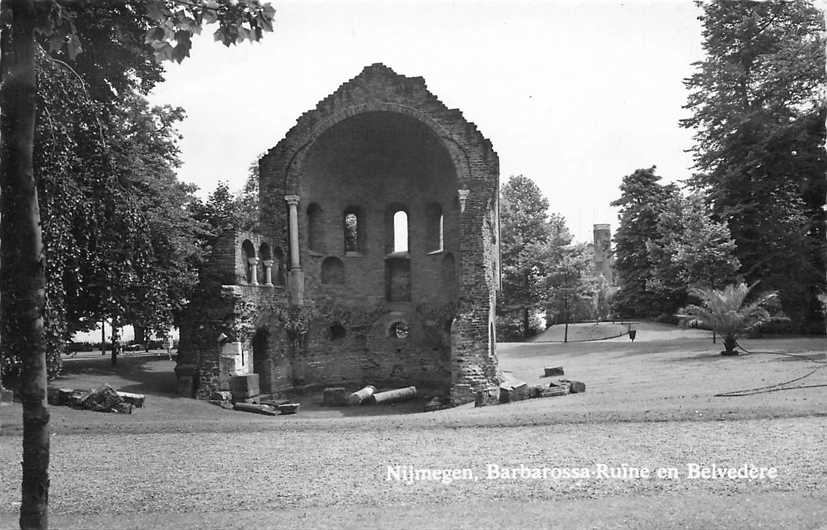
(378, 89)
(459, 155)
(380, 138)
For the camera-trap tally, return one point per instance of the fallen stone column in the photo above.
(360, 396)
(399, 394)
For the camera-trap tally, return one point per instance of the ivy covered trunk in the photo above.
(22, 276)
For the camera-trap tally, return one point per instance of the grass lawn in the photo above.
(181, 463)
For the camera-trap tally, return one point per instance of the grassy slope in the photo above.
(647, 404)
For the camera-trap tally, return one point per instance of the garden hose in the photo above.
(778, 386)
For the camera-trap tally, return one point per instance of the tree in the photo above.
(701, 251)
(642, 201)
(22, 276)
(758, 110)
(726, 312)
(524, 232)
(570, 285)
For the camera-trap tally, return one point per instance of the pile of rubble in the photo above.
(512, 389)
(244, 396)
(102, 399)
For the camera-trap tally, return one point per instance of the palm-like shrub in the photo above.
(725, 311)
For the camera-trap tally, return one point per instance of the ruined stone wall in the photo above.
(367, 314)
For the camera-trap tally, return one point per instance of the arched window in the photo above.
(353, 231)
(434, 228)
(314, 227)
(248, 251)
(400, 231)
(264, 254)
(333, 271)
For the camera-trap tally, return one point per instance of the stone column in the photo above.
(295, 276)
(253, 263)
(293, 203)
(268, 272)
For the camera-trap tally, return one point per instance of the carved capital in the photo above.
(292, 200)
(252, 261)
(463, 196)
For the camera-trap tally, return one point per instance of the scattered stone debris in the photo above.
(334, 396)
(289, 408)
(553, 371)
(244, 386)
(437, 403)
(512, 389)
(394, 396)
(257, 408)
(102, 399)
(361, 396)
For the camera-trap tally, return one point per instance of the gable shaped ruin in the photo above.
(375, 260)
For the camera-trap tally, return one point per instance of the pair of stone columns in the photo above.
(268, 271)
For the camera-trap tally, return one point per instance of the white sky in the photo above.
(573, 94)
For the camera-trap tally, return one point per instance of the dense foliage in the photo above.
(666, 243)
(542, 270)
(758, 109)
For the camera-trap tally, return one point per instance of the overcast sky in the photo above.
(573, 94)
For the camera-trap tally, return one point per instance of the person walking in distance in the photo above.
(168, 344)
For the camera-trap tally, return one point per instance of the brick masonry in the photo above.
(379, 144)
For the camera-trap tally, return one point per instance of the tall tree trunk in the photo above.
(22, 276)
(116, 342)
(526, 322)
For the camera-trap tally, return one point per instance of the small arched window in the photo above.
(353, 231)
(248, 251)
(435, 227)
(265, 255)
(400, 231)
(314, 227)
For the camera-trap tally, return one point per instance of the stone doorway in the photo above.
(261, 360)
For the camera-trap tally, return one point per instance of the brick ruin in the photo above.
(375, 260)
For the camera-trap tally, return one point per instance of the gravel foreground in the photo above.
(181, 463)
(208, 474)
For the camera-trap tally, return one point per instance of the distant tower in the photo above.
(603, 251)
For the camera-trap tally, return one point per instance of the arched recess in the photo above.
(333, 271)
(264, 254)
(315, 235)
(434, 228)
(248, 251)
(353, 230)
(304, 139)
(261, 359)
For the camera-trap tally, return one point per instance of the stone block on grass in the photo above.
(244, 386)
(334, 396)
(551, 371)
